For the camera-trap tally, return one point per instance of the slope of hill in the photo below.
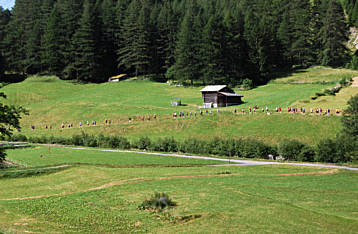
(52, 102)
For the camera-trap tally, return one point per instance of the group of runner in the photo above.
(201, 112)
(94, 122)
(293, 110)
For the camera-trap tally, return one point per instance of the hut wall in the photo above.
(211, 97)
(233, 101)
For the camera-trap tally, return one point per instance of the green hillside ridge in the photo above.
(52, 102)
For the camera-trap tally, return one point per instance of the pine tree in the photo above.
(134, 54)
(108, 44)
(33, 50)
(300, 50)
(84, 41)
(235, 49)
(4, 21)
(213, 52)
(19, 27)
(186, 56)
(354, 15)
(334, 36)
(70, 11)
(52, 44)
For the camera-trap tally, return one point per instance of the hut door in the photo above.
(221, 101)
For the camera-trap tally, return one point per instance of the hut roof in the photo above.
(117, 77)
(213, 88)
(231, 94)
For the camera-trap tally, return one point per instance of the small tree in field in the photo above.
(350, 117)
(9, 118)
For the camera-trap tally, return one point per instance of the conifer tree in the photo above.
(235, 49)
(167, 29)
(84, 41)
(108, 43)
(70, 11)
(4, 21)
(134, 55)
(300, 50)
(33, 47)
(186, 55)
(52, 44)
(334, 36)
(18, 29)
(213, 51)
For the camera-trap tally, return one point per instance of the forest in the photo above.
(190, 41)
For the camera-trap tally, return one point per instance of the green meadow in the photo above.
(52, 102)
(99, 192)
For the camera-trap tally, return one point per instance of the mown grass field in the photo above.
(52, 102)
(96, 198)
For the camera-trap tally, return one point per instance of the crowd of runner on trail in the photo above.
(94, 122)
(250, 110)
(255, 109)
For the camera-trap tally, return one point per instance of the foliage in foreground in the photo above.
(158, 202)
(9, 118)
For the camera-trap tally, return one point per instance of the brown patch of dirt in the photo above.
(355, 82)
(121, 182)
(333, 171)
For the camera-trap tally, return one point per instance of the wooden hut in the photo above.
(220, 96)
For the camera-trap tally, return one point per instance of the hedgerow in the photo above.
(341, 149)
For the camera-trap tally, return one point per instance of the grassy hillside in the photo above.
(52, 101)
(96, 198)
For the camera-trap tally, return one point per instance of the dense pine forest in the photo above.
(191, 41)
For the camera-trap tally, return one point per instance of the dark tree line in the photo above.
(205, 41)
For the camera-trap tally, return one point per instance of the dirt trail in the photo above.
(120, 182)
(355, 82)
(333, 171)
(143, 179)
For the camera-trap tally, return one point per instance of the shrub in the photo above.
(77, 140)
(143, 143)
(326, 151)
(158, 201)
(192, 145)
(329, 92)
(18, 137)
(167, 144)
(252, 148)
(307, 154)
(291, 149)
(122, 143)
(247, 84)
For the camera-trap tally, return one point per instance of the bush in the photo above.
(143, 143)
(252, 148)
(167, 144)
(192, 145)
(122, 143)
(291, 149)
(326, 151)
(330, 92)
(77, 140)
(247, 84)
(307, 154)
(18, 137)
(158, 201)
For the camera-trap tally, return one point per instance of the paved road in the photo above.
(233, 161)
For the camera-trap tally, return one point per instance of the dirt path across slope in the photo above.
(355, 82)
